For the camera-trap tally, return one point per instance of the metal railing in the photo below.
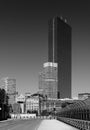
(80, 124)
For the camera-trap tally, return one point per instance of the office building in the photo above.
(59, 51)
(9, 84)
(48, 80)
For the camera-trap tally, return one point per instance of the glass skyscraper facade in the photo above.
(59, 51)
(48, 80)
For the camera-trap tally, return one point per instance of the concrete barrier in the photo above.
(23, 116)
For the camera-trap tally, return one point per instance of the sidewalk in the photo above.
(54, 125)
(6, 120)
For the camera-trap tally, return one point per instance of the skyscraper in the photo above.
(48, 80)
(59, 51)
(9, 84)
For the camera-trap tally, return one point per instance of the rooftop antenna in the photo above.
(53, 41)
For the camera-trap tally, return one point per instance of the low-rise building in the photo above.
(16, 109)
(83, 96)
(27, 95)
(21, 100)
(32, 104)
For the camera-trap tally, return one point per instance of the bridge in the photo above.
(75, 116)
(35, 124)
(44, 123)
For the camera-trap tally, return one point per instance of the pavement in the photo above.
(54, 125)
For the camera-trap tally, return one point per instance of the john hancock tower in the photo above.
(59, 51)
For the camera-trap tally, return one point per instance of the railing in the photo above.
(80, 124)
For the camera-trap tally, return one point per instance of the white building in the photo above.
(21, 100)
(32, 104)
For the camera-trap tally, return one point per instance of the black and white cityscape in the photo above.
(45, 65)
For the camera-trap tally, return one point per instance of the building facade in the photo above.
(83, 96)
(27, 95)
(59, 51)
(32, 104)
(48, 80)
(21, 100)
(9, 84)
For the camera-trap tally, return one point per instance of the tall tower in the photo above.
(9, 84)
(59, 51)
(48, 80)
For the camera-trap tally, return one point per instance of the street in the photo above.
(30, 124)
(35, 124)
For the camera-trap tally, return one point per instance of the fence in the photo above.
(80, 124)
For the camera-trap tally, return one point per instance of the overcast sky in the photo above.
(24, 40)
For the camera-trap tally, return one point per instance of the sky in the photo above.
(24, 40)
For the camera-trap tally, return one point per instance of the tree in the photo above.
(4, 113)
(2, 96)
